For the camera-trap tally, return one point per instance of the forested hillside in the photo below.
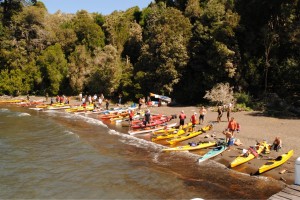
(178, 48)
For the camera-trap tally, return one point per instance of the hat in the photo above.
(195, 113)
(182, 111)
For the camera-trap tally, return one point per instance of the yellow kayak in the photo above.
(172, 130)
(277, 162)
(11, 101)
(190, 147)
(167, 136)
(189, 135)
(242, 158)
(80, 108)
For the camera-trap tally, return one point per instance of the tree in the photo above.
(164, 54)
(118, 26)
(107, 71)
(220, 93)
(88, 32)
(53, 66)
(79, 69)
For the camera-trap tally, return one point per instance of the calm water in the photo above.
(72, 156)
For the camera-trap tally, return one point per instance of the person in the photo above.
(80, 96)
(229, 138)
(140, 103)
(106, 103)
(51, 101)
(90, 99)
(238, 127)
(193, 120)
(100, 101)
(228, 112)
(101, 96)
(57, 98)
(232, 126)
(95, 98)
(147, 117)
(182, 117)
(28, 97)
(120, 99)
(220, 113)
(131, 114)
(46, 96)
(277, 144)
(202, 113)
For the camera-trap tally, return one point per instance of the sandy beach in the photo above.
(254, 127)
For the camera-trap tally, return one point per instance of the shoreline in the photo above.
(254, 127)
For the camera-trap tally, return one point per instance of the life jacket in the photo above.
(182, 116)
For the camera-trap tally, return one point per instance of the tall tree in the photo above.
(107, 70)
(53, 66)
(80, 68)
(88, 32)
(164, 54)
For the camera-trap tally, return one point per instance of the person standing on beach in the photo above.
(202, 113)
(193, 120)
(140, 103)
(229, 109)
(80, 96)
(106, 103)
(182, 117)
(232, 126)
(220, 113)
(131, 114)
(147, 117)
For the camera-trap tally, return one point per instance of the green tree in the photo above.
(79, 68)
(117, 27)
(53, 67)
(164, 54)
(107, 71)
(88, 32)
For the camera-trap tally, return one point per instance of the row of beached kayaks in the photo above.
(253, 152)
(162, 130)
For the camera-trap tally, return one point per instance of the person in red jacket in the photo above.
(182, 117)
(131, 114)
(194, 121)
(232, 126)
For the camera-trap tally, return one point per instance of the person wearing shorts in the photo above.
(182, 117)
(202, 113)
(194, 121)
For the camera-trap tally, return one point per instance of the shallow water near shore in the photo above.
(60, 155)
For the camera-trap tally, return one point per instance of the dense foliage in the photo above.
(180, 48)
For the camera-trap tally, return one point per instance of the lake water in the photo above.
(60, 155)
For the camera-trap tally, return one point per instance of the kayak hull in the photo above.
(212, 153)
(275, 163)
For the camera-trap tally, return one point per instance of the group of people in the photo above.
(97, 101)
(60, 99)
(193, 118)
(222, 109)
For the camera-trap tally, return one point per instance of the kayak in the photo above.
(277, 162)
(189, 135)
(190, 147)
(168, 136)
(242, 158)
(149, 129)
(172, 130)
(80, 108)
(58, 106)
(212, 153)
